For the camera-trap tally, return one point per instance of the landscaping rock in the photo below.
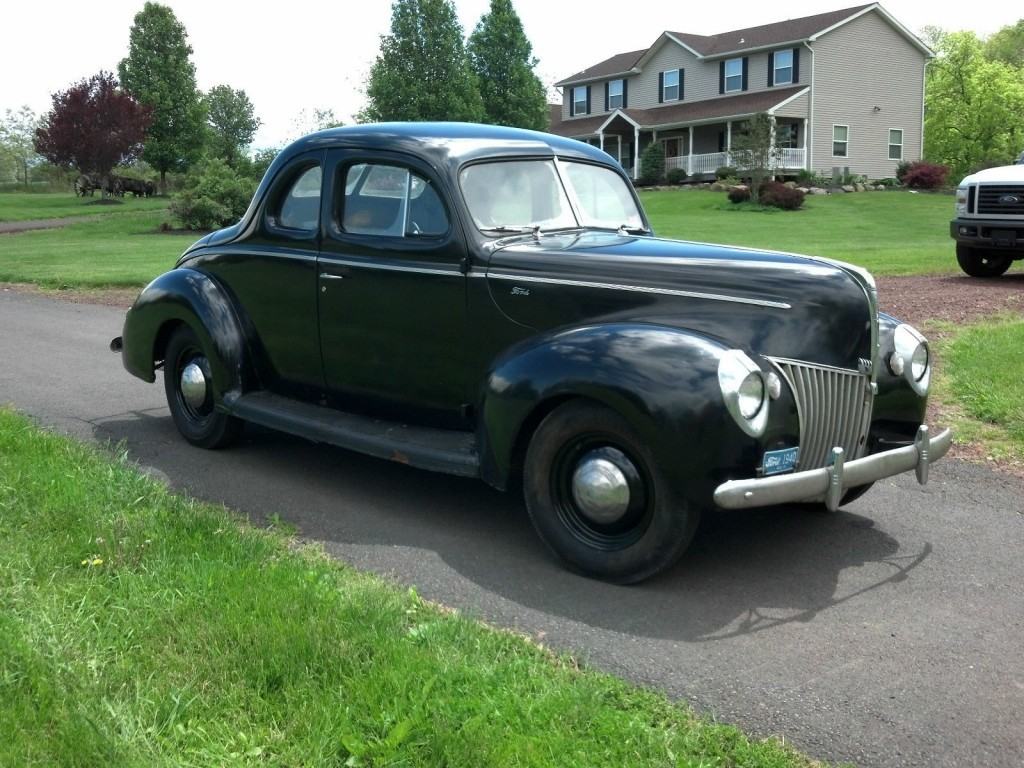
(858, 187)
(791, 184)
(818, 191)
(716, 187)
(848, 188)
(805, 190)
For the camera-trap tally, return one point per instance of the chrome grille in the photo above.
(834, 406)
(1001, 199)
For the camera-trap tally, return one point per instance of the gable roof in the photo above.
(618, 64)
(735, 41)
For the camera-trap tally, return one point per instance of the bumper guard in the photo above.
(832, 482)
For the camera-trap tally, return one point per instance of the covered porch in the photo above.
(702, 149)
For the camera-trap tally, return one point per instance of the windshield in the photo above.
(521, 195)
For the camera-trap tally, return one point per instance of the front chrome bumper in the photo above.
(833, 481)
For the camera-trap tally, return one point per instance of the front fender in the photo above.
(663, 380)
(194, 298)
(898, 409)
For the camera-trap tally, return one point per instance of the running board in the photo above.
(438, 450)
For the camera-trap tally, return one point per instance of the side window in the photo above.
(300, 207)
(391, 201)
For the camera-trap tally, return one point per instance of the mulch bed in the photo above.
(957, 299)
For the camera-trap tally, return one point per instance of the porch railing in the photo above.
(706, 164)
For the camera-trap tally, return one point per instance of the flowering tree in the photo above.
(93, 126)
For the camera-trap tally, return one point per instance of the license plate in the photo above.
(1004, 235)
(776, 462)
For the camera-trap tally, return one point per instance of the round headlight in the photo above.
(919, 362)
(744, 391)
(750, 395)
(912, 348)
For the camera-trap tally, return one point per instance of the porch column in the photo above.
(619, 153)
(728, 142)
(600, 135)
(689, 154)
(807, 155)
(636, 153)
(771, 142)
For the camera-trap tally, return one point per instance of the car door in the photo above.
(271, 273)
(392, 295)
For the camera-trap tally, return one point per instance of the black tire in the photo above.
(979, 262)
(652, 533)
(202, 424)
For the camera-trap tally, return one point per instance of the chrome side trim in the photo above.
(635, 288)
(328, 262)
(816, 483)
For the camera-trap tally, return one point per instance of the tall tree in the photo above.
(160, 74)
(231, 122)
(502, 58)
(1007, 45)
(316, 119)
(972, 106)
(422, 71)
(93, 126)
(17, 138)
(756, 152)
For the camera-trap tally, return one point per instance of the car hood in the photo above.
(1003, 174)
(772, 303)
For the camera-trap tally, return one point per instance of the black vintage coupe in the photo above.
(492, 302)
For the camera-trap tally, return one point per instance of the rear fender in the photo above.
(197, 300)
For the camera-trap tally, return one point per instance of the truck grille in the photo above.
(1001, 199)
(834, 406)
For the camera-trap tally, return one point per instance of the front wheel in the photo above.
(599, 500)
(978, 262)
(188, 385)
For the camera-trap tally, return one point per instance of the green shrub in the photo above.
(676, 175)
(725, 172)
(652, 163)
(902, 168)
(214, 195)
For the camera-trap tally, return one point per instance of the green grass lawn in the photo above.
(122, 250)
(24, 206)
(889, 233)
(983, 375)
(140, 628)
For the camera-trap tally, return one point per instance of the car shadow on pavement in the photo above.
(745, 572)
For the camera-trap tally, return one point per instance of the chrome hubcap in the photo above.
(193, 386)
(600, 490)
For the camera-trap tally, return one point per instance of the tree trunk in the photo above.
(163, 181)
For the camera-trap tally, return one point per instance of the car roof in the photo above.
(446, 143)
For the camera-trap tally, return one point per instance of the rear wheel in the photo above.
(979, 262)
(598, 499)
(188, 385)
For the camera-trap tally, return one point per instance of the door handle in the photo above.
(329, 276)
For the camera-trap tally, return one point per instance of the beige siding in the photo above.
(857, 67)
(798, 107)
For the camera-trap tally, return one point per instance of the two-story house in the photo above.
(845, 89)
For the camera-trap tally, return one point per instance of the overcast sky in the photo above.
(303, 54)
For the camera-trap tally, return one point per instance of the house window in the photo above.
(579, 100)
(783, 74)
(840, 140)
(615, 94)
(895, 143)
(670, 85)
(787, 136)
(733, 75)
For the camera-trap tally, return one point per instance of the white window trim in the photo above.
(622, 88)
(834, 142)
(776, 68)
(739, 75)
(665, 86)
(889, 143)
(575, 102)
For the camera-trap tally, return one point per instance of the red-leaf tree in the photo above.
(93, 126)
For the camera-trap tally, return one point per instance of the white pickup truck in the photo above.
(989, 223)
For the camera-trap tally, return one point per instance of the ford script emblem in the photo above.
(1009, 200)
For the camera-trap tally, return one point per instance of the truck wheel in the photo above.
(599, 500)
(978, 262)
(187, 383)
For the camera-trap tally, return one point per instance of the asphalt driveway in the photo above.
(886, 634)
